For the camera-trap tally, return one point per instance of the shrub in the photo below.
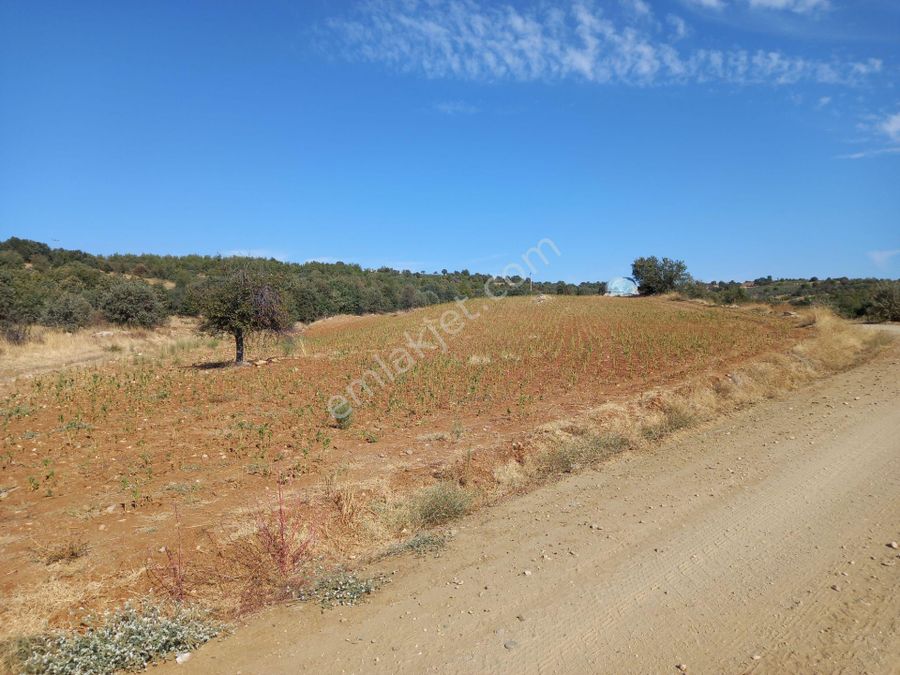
(885, 305)
(68, 311)
(11, 259)
(342, 415)
(440, 503)
(16, 333)
(127, 639)
(675, 418)
(580, 452)
(132, 303)
(270, 563)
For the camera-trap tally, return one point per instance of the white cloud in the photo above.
(884, 129)
(707, 4)
(823, 101)
(680, 29)
(639, 7)
(797, 6)
(890, 127)
(882, 258)
(864, 154)
(462, 39)
(455, 108)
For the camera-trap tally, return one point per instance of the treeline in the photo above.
(868, 299)
(70, 288)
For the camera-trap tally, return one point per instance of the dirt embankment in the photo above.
(758, 544)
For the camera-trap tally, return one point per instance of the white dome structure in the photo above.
(622, 286)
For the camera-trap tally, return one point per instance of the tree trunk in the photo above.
(238, 346)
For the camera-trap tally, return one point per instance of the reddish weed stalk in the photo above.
(170, 576)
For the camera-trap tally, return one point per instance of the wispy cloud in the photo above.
(467, 40)
(797, 6)
(864, 154)
(680, 29)
(455, 108)
(638, 7)
(885, 130)
(890, 127)
(883, 258)
(707, 4)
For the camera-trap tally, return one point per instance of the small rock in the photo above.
(682, 667)
(835, 587)
(756, 657)
(510, 644)
(183, 657)
(527, 573)
(894, 545)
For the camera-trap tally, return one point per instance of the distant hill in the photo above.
(68, 287)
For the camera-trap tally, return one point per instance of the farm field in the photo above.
(121, 462)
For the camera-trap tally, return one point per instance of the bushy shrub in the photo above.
(441, 503)
(127, 639)
(132, 303)
(68, 311)
(16, 333)
(11, 259)
(885, 305)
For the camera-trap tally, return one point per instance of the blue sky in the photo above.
(747, 137)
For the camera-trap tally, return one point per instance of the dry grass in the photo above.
(63, 597)
(69, 550)
(53, 349)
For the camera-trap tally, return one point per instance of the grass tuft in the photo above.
(70, 550)
(579, 452)
(440, 503)
(420, 544)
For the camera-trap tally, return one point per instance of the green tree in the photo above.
(68, 311)
(242, 302)
(133, 303)
(656, 276)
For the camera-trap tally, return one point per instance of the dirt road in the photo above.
(759, 544)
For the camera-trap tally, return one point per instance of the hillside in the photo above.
(55, 286)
